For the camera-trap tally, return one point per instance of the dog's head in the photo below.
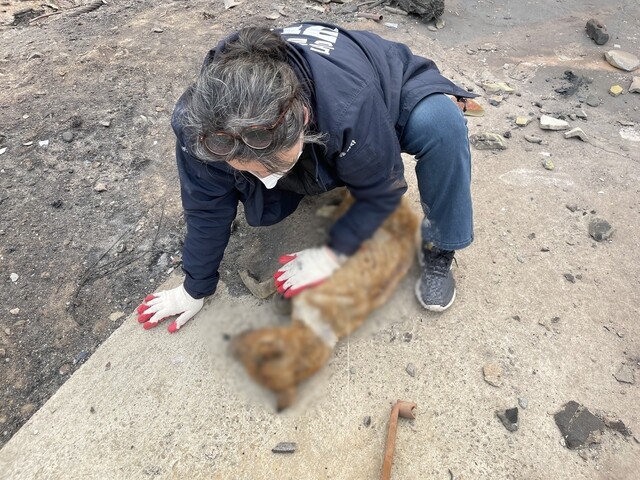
(280, 358)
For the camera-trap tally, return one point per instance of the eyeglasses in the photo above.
(257, 137)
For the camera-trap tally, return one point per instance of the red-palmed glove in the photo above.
(161, 305)
(305, 269)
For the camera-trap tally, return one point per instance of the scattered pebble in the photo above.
(115, 316)
(64, 369)
(411, 369)
(533, 139)
(497, 88)
(523, 402)
(633, 88)
(367, 421)
(14, 277)
(100, 187)
(576, 132)
(2, 150)
(492, 374)
(625, 375)
(523, 121)
(260, 290)
(569, 277)
(593, 101)
(572, 206)
(550, 123)
(615, 90)
(547, 163)
(3, 353)
(600, 229)
(488, 141)
(509, 418)
(67, 136)
(157, 30)
(407, 336)
(43, 143)
(285, 447)
(14, 311)
(105, 123)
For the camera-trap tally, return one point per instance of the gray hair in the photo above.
(249, 83)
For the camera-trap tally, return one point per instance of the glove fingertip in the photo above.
(149, 325)
(173, 328)
(286, 258)
(141, 308)
(144, 317)
(149, 297)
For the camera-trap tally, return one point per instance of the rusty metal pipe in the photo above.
(404, 410)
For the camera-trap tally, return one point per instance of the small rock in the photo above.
(281, 305)
(92, 410)
(497, 88)
(625, 375)
(523, 402)
(617, 425)
(157, 30)
(550, 123)
(597, 32)
(615, 90)
(56, 203)
(14, 311)
(2, 150)
(533, 139)
(261, 290)
(14, 277)
(581, 114)
(407, 336)
(100, 187)
(492, 374)
(635, 85)
(569, 277)
(523, 121)
(411, 369)
(576, 132)
(105, 123)
(28, 409)
(3, 353)
(547, 163)
(593, 101)
(64, 369)
(507, 134)
(623, 60)
(67, 136)
(600, 229)
(115, 316)
(488, 141)
(285, 447)
(579, 427)
(509, 418)
(367, 421)
(572, 206)
(272, 16)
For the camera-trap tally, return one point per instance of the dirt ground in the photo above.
(90, 217)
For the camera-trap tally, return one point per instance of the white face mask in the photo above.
(271, 180)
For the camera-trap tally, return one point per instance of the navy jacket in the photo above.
(362, 89)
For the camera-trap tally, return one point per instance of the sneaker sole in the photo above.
(432, 308)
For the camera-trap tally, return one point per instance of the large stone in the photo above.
(550, 123)
(597, 32)
(622, 60)
(579, 427)
(625, 375)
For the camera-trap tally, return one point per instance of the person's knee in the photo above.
(438, 119)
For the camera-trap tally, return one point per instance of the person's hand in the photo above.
(305, 269)
(158, 306)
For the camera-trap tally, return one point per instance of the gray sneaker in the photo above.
(436, 287)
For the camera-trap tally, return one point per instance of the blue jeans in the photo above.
(436, 134)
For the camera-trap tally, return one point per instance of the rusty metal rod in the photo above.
(372, 16)
(404, 410)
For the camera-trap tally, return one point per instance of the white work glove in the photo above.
(305, 269)
(158, 306)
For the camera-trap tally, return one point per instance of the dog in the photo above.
(279, 358)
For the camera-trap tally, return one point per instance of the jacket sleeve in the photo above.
(210, 202)
(370, 164)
